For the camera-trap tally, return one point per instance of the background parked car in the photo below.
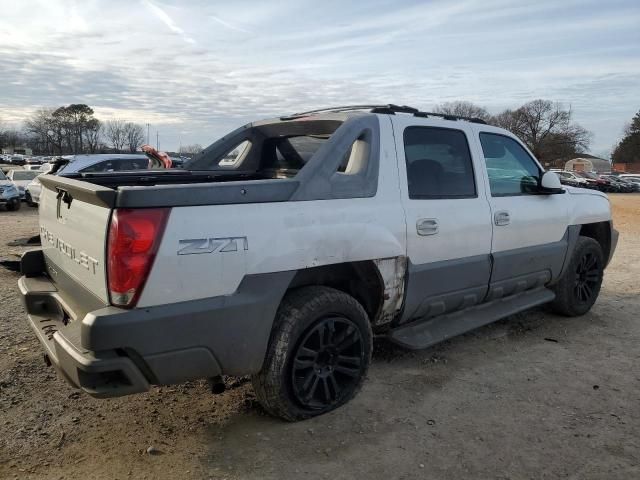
(633, 177)
(71, 165)
(103, 163)
(622, 186)
(32, 161)
(21, 178)
(32, 192)
(569, 178)
(9, 196)
(33, 189)
(634, 184)
(595, 182)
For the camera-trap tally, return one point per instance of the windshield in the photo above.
(24, 175)
(2, 175)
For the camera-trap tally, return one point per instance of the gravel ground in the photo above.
(535, 396)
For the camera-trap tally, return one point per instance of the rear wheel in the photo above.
(318, 356)
(578, 289)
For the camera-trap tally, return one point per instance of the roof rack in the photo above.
(342, 108)
(446, 116)
(389, 109)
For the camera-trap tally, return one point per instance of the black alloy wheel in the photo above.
(579, 286)
(328, 363)
(588, 278)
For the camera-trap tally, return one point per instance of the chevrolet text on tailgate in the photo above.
(281, 249)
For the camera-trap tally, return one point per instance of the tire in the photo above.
(578, 288)
(13, 206)
(29, 200)
(318, 354)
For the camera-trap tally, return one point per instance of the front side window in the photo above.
(511, 169)
(438, 163)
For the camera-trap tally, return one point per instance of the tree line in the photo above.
(73, 129)
(628, 149)
(546, 127)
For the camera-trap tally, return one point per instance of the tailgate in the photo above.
(74, 221)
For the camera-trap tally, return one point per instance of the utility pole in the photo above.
(147, 133)
(157, 141)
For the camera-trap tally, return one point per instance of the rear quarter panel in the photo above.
(280, 236)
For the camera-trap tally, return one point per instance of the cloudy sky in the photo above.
(196, 69)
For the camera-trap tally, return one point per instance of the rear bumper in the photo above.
(112, 352)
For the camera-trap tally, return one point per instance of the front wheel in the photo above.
(318, 355)
(578, 289)
(29, 200)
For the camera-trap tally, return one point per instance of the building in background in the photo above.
(629, 167)
(17, 151)
(588, 163)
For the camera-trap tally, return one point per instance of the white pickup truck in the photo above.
(285, 246)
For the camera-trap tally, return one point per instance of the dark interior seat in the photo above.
(425, 177)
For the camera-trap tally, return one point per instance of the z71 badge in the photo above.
(193, 246)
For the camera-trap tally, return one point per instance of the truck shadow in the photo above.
(397, 401)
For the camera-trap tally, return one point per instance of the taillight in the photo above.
(134, 237)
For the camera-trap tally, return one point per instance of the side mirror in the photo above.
(550, 183)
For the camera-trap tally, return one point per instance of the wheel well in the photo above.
(601, 233)
(361, 280)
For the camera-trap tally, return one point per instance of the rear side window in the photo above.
(287, 155)
(511, 169)
(235, 155)
(438, 163)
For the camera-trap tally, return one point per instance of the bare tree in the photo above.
(190, 150)
(45, 131)
(546, 128)
(134, 136)
(63, 130)
(463, 109)
(115, 133)
(93, 135)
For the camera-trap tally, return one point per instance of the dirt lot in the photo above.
(535, 396)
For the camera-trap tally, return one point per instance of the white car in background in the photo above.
(32, 190)
(21, 178)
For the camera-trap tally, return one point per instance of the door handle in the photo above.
(501, 218)
(427, 226)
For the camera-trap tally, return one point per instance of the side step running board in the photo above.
(425, 333)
